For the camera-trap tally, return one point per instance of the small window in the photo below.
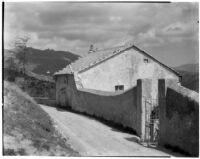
(146, 60)
(119, 88)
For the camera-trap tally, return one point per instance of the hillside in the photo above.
(190, 80)
(190, 76)
(27, 129)
(188, 68)
(32, 83)
(43, 61)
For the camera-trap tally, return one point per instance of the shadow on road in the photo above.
(133, 139)
(173, 152)
(170, 151)
(114, 126)
(119, 128)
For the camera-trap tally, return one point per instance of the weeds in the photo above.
(9, 152)
(27, 122)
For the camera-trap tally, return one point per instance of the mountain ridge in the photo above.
(188, 67)
(190, 75)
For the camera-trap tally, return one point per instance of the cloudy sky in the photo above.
(168, 31)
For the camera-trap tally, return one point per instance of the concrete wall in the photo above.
(179, 117)
(124, 108)
(117, 107)
(61, 91)
(122, 69)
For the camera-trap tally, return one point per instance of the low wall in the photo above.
(179, 112)
(117, 107)
(123, 108)
(45, 101)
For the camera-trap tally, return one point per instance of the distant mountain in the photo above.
(47, 62)
(190, 76)
(190, 80)
(188, 68)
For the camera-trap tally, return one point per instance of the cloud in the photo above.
(74, 26)
(72, 13)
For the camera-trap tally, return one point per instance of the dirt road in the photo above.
(90, 137)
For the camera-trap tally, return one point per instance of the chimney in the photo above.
(91, 50)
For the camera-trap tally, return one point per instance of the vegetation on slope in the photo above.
(31, 85)
(45, 62)
(27, 129)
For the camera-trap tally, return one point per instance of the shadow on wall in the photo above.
(124, 107)
(118, 107)
(181, 120)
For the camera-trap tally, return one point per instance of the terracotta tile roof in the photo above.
(98, 56)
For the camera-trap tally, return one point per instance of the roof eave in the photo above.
(106, 58)
(175, 72)
(103, 59)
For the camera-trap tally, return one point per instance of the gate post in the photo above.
(162, 91)
(140, 111)
(144, 89)
(162, 106)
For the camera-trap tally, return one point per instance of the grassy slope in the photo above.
(31, 85)
(28, 130)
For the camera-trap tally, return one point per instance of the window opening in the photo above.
(146, 60)
(119, 88)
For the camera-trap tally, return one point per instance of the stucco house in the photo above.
(114, 69)
(120, 84)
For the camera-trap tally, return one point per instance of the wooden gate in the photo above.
(151, 121)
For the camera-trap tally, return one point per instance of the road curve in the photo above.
(90, 137)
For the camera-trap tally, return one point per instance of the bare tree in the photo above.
(20, 45)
